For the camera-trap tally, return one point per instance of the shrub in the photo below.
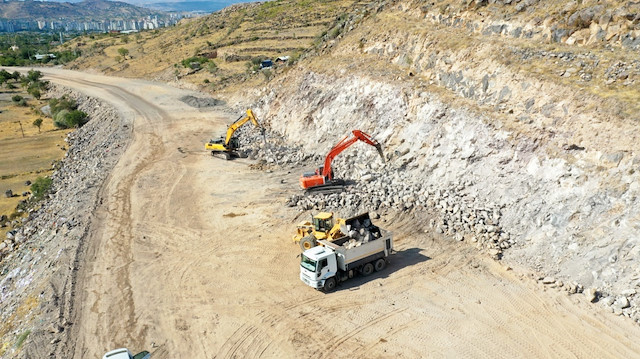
(41, 187)
(191, 61)
(62, 103)
(76, 118)
(212, 67)
(69, 119)
(16, 98)
(123, 52)
(35, 93)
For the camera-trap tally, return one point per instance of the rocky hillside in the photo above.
(515, 125)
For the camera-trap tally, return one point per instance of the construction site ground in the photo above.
(191, 256)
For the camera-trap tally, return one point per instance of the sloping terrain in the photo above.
(234, 40)
(510, 134)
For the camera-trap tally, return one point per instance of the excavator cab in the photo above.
(323, 222)
(233, 144)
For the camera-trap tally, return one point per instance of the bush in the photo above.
(69, 119)
(189, 62)
(212, 67)
(16, 98)
(41, 187)
(76, 118)
(62, 103)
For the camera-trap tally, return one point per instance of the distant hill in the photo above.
(90, 9)
(206, 6)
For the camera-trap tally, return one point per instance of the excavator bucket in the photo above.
(379, 148)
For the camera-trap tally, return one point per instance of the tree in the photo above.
(34, 76)
(123, 52)
(38, 122)
(35, 93)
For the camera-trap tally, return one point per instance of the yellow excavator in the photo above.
(228, 145)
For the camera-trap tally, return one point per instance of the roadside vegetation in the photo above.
(31, 141)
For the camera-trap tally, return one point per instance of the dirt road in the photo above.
(190, 256)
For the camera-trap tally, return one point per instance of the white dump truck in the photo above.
(124, 353)
(365, 249)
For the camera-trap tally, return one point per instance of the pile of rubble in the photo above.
(360, 232)
(389, 187)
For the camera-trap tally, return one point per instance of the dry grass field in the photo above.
(24, 157)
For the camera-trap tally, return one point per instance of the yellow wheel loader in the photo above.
(324, 226)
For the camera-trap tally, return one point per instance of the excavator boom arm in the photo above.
(239, 122)
(344, 144)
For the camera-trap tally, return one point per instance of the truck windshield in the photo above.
(308, 263)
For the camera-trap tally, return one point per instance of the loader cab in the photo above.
(323, 222)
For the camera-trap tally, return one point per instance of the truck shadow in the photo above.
(397, 261)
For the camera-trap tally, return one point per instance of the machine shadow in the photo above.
(397, 261)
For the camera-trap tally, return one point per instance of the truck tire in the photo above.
(308, 242)
(329, 285)
(367, 269)
(380, 264)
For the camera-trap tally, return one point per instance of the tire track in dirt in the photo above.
(338, 340)
(114, 215)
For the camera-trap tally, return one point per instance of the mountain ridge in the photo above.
(88, 9)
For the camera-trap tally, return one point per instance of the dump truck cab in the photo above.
(317, 265)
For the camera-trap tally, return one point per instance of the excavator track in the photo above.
(326, 189)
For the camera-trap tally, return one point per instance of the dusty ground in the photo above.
(190, 256)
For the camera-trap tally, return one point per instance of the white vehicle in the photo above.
(332, 262)
(124, 353)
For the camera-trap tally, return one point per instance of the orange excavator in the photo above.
(323, 176)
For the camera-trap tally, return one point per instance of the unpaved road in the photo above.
(190, 256)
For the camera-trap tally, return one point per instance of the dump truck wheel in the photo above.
(308, 242)
(367, 269)
(380, 264)
(329, 285)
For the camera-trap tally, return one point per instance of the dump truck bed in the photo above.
(351, 253)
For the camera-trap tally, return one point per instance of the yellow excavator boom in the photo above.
(234, 126)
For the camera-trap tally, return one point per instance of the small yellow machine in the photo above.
(228, 145)
(323, 226)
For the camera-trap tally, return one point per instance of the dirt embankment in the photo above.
(39, 267)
